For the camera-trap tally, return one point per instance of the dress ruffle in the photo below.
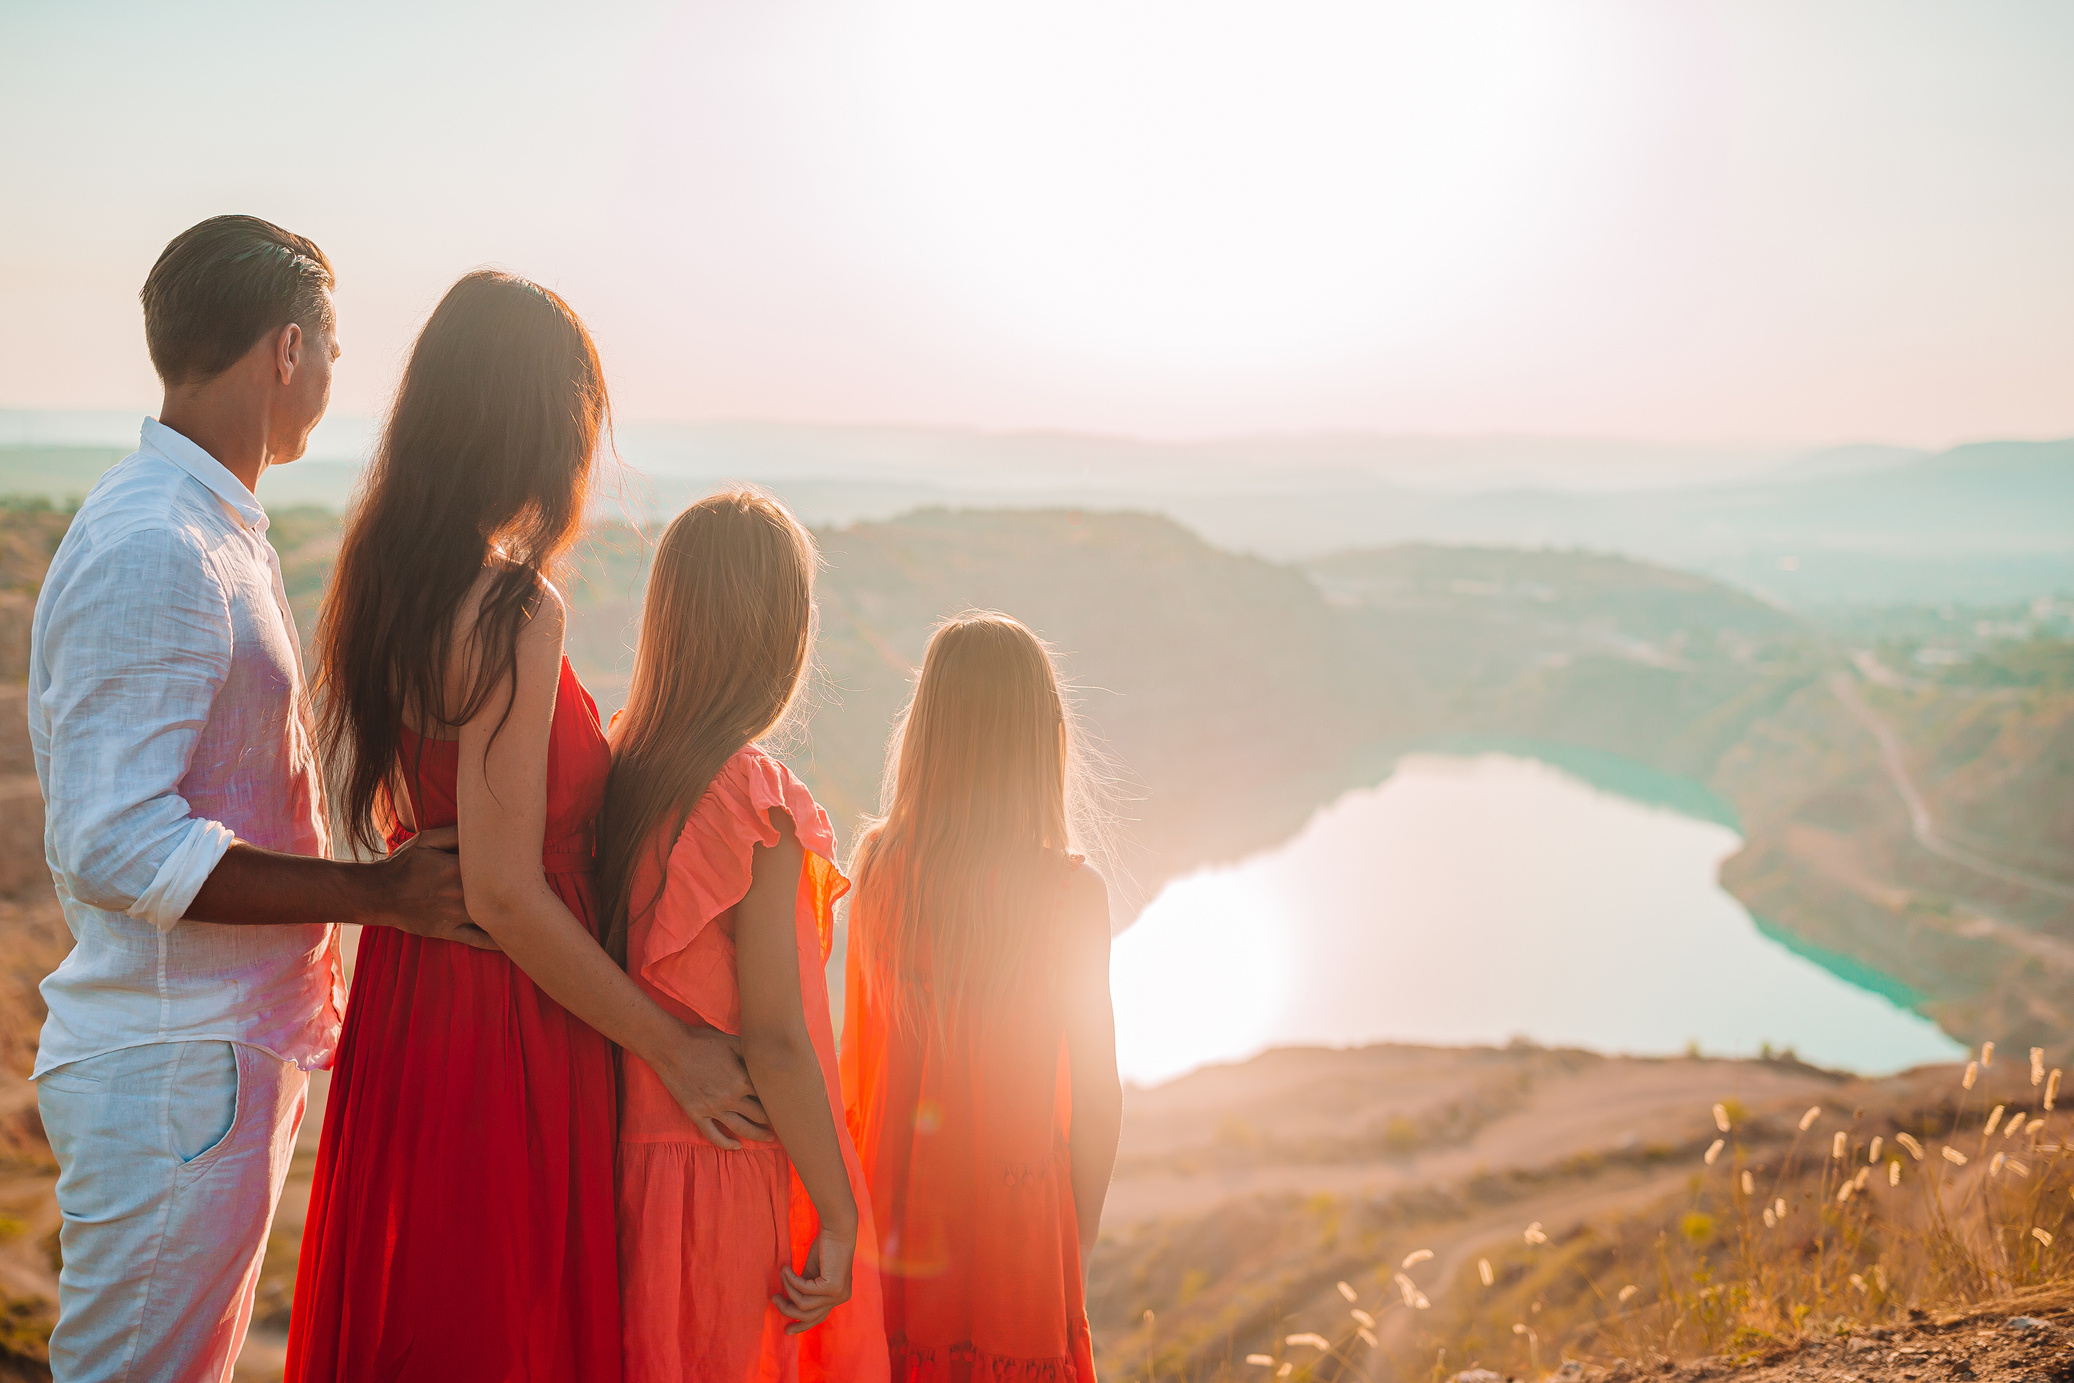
(674, 944)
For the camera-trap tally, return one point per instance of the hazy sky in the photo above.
(1809, 220)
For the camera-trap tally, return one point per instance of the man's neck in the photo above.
(235, 435)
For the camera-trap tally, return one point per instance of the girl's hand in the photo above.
(808, 1299)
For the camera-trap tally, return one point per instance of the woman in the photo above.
(979, 1047)
(461, 1219)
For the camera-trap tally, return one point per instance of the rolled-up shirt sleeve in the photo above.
(137, 643)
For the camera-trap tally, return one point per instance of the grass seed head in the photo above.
(1416, 1257)
(1363, 1317)
(1972, 1075)
(1366, 1337)
(1714, 1151)
(1483, 1270)
(1261, 1360)
(1838, 1146)
(1721, 1117)
(1348, 1292)
(1894, 1172)
(2052, 1087)
(2043, 1236)
(1908, 1141)
(1749, 1184)
(1954, 1156)
(1771, 1221)
(1993, 1120)
(1535, 1234)
(1807, 1120)
(1628, 1291)
(1987, 1054)
(2037, 1065)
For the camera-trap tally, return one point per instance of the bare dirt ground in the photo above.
(2019, 1343)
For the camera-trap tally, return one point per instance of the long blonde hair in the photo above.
(726, 633)
(987, 790)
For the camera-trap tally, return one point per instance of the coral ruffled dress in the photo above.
(460, 1223)
(703, 1229)
(964, 1143)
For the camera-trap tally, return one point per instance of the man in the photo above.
(172, 741)
(185, 831)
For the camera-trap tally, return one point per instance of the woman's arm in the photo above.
(1091, 1053)
(502, 797)
(787, 1073)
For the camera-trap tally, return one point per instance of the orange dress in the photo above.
(964, 1142)
(703, 1229)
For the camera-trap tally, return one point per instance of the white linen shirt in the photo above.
(168, 716)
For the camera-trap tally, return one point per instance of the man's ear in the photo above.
(287, 352)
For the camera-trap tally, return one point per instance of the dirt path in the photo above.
(1921, 823)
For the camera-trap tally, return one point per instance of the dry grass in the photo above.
(1957, 1195)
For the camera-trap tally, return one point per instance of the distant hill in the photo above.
(1863, 524)
(62, 474)
(1841, 461)
(1978, 523)
(57, 474)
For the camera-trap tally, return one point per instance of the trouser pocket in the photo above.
(203, 1099)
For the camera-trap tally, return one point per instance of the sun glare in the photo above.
(1206, 974)
(1226, 185)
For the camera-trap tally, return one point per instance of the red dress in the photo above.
(703, 1229)
(461, 1216)
(964, 1142)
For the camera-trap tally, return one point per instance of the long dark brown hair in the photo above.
(485, 464)
(989, 786)
(726, 632)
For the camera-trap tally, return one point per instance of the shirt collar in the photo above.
(163, 441)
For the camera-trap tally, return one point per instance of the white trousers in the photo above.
(171, 1158)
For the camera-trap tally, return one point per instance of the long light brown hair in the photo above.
(726, 634)
(485, 463)
(988, 788)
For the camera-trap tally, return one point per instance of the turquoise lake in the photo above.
(1472, 899)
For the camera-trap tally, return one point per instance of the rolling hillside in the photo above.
(1910, 820)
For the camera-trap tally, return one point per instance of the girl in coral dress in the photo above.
(739, 1262)
(979, 1047)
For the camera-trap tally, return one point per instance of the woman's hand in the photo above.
(705, 1076)
(808, 1299)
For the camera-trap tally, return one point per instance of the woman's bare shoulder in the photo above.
(546, 621)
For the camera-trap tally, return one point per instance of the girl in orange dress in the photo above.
(979, 1047)
(738, 1261)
